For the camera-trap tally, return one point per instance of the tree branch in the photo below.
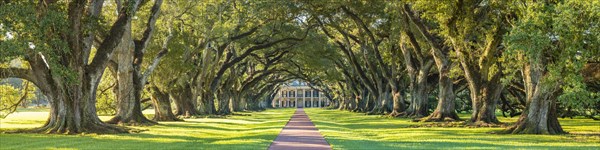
(150, 26)
(16, 73)
(104, 52)
(93, 11)
(158, 57)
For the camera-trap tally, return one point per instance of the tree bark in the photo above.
(207, 104)
(162, 106)
(418, 107)
(398, 106)
(129, 110)
(184, 102)
(540, 116)
(417, 66)
(131, 81)
(484, 92)
(445, 110)
(73, 98)
(67, 116)
(484, 101)
(236, 102)
(224, 101)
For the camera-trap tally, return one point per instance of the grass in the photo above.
(347, 130)
(254, 130)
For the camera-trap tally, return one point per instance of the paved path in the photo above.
(300, 134)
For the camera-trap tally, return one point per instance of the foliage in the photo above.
(12, 97)
(9, 96)
(106, 97)
(562, 36)
(363, 54)
(31, 34)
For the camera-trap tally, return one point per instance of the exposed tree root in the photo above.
(95, 128)
(441, 117)
(166, 119)
(132, 121)
(457, 124)
(395, 114)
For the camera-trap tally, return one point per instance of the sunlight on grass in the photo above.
(254, 130)
(348, 130)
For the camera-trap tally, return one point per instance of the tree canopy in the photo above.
(412, 58)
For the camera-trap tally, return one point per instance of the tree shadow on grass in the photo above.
(256, 132)
(218, 127)
(133, 141)
(344, 143)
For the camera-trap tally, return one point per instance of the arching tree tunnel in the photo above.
(218, 57)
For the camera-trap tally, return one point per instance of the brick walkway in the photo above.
(300, 134)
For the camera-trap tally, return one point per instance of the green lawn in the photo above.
(347, 130)
(255, 131)
(343, 130)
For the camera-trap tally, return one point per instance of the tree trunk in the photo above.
(382, 99)
(71, 91)
(445, 110)
(344, 101)
(540, 116)
(72, 106)
(184, 102)
(224, 104)
(243, 103)
(129, 110)
(398, 101)
(162, 106)
(253, 104)
(362, 101)
(381, 104)
(484, 101)
(207, 104)
(418, 107)
(239, 102)
(236, 103)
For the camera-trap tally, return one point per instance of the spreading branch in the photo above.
(16, 73)
(104, 52)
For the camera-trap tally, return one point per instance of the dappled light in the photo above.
(347, 130)
(299, 74)
(254, 131)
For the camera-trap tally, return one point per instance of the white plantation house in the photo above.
(299, 94)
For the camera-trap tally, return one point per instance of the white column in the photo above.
(303, 96)
(319, 102)
(304, 100)
(312, 98)
(286, 97)
(275, 100)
